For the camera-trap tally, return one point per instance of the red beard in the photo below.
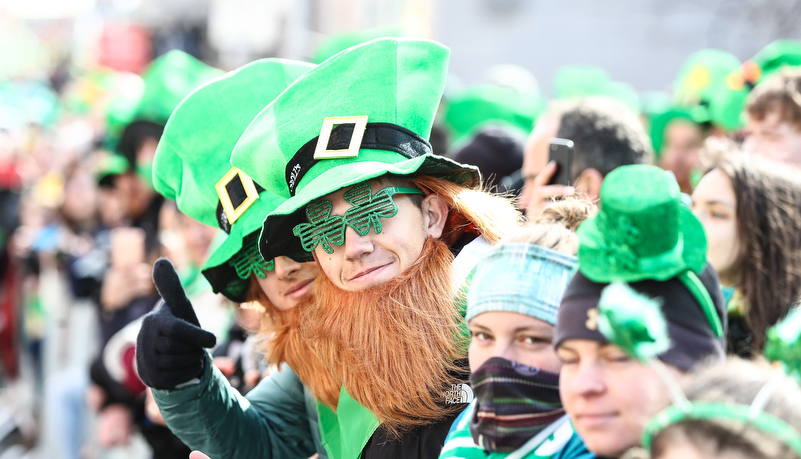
(393, 347)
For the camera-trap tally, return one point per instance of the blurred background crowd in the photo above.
(86, 87)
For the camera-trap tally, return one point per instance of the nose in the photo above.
(286, 267)
(586, 380)
(504, 350)
(356, 246)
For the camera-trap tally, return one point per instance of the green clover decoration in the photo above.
(784, 343)
(632, 321)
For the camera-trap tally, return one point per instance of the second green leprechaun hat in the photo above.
(363, 113)
(192, 166)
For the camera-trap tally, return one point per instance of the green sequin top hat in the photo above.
(192, 166)
(364, 113)
(642, 230)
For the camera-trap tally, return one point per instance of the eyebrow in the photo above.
(714, 202)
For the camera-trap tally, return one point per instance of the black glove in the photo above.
(169, 347)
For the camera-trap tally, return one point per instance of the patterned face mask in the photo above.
(367, 211)
(515, 403)
(249, 260)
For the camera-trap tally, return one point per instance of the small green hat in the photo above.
(192, 164)
(660, 122)
(364, 113)
(478, 105)
(108, 167)
(168, 79)
(642, 231)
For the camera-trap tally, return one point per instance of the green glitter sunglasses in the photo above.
(367, 211)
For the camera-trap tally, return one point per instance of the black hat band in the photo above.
(377, 136)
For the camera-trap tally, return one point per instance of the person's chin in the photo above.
(372, 278)
(610, 442)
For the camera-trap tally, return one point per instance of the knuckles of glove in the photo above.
(169, 350)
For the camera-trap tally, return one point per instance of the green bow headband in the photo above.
(635, 323)
(367, 211)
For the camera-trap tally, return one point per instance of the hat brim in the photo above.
(218, 271)
(595, 264)
(277, 239)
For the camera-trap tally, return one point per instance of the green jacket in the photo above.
(277, 419)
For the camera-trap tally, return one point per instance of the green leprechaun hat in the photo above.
(192, 166)
(642, 231)
(363, 113)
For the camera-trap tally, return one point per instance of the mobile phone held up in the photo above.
(561, 152)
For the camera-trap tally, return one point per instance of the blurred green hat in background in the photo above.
(28, 102)
(168, 79)
(661, 121)
(469, 110)
(124, 93)
(192, 166)
(575, 81)
(704, 88)
(773, 57)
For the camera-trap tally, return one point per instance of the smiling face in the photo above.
(608, 396)
(289, 283)
(515, 337)
(715, 204)
(363, 262)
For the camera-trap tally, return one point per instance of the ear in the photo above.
(588, 183)
(435, 213)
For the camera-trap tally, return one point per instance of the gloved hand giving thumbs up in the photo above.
(169, 348)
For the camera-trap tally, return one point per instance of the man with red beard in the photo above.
(395, 229)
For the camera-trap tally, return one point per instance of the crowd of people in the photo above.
(350, 259)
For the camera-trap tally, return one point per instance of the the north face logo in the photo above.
(459, 393)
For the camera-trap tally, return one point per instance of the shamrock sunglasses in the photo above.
(367, 211)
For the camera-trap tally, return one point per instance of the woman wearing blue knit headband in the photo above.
(511, 311)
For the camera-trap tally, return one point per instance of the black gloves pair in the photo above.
(169, 347)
